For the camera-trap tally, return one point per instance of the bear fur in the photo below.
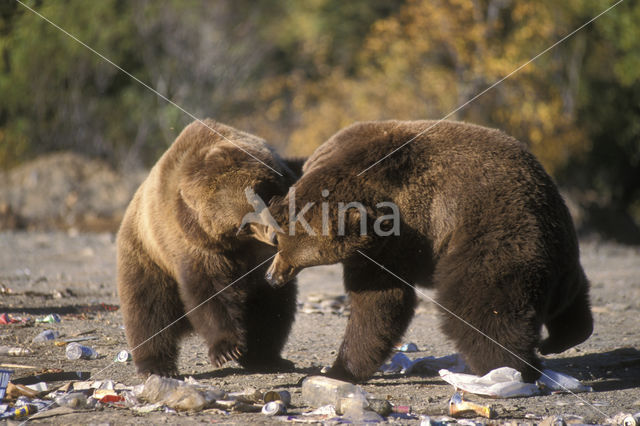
(480, 221)
(178, 245)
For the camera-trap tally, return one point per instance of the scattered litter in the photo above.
(325, 304)
(400, 363)
(123, 356)
(282, 395)
(559, 382)
(5, 365)
(4, 382)
(506, 382)
(72, 400)
(407, 347)
(45, 336)
(178, 394)
(625, 419)
(49, 319)
(274, 408)
(77, 351)
(320, 390)
(17, 390)
(458, 407)
(14, 351)
(63, 342)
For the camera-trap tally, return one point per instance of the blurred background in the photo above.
(76, 134)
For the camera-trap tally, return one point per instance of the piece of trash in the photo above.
(63, 342)
(7, 319)
(124, 356)
(72, 400)
(237, 405)
(625, 419)
(38, 387)
(18, 390)
(4, 381)
(559, 382)
(320, 390)
(111, 399)
(49, 319)
(400, 363)
(506, 382)
(14, 351)
(178, 394)
(325, 410)
(45, 336)
(282, 395)
(407, 347)
(402, 409)
(458, 407)
(148, 408)
(274, 408)
(24, 411)
(77, 351)
(8, 365)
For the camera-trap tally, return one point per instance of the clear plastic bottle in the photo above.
(72, 400)
(77, 351)
(45, 336)
(319, 390)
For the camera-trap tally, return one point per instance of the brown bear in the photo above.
(464, 209)
(178, 245)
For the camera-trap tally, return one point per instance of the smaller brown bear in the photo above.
(462, 208)
(178, 246)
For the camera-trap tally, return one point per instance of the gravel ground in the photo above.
(74, 275)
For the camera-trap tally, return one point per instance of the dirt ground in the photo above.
(74, 275)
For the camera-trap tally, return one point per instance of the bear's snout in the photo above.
(279, 273)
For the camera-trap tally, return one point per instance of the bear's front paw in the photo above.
(223, 352)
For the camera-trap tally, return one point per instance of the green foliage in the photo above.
(295, 72)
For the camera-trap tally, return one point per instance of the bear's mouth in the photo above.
(280, 272)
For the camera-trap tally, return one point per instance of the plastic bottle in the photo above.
(319, 390)
(178, 394)
(72, 400)
(13, 351)
(45, 336)
(77, 351)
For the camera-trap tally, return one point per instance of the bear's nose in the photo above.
(273, 282)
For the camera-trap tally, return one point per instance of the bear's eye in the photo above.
(273, 238)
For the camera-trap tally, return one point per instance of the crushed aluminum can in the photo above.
(274, 408)
(124, 356)
(282, 395)
(49, 319)
(24, 411)
(76, 351)
(631, 420)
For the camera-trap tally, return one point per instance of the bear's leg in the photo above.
(149, 302)
(491, 329)
(215, 312)
(381, 309)
(571, 327)
(269, 315)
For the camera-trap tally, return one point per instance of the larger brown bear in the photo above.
(178, 246)
(478, 219)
